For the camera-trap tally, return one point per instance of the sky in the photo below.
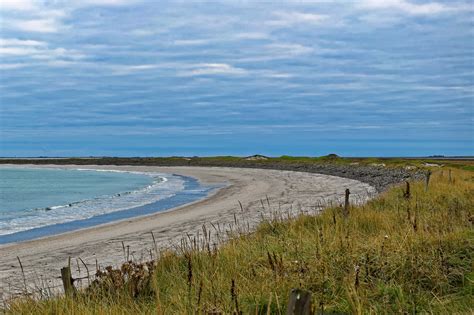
(158, 78)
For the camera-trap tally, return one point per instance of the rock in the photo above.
(256, 157)
(378, 164)
(432, 165)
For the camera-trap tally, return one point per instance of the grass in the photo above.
(392, 255)
(241, 161)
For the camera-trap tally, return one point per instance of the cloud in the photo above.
(59, 53)
(284, 49)
(36, 50)
(45, 17)
(9, 66)
(17, 5)
(212, 69)
(36, 25)
(221, 39)
(191, 42)
(33, 16)
(142, 32)
(275, 75)
(20, 42)
(16, 51)
(251, 35)
(127, 69)
(105, 2)
(404, 6)
(283, 18)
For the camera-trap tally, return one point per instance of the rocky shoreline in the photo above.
(379, 176)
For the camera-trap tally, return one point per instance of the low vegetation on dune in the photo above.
(406, 251)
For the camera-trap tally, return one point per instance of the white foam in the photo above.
(164, 186)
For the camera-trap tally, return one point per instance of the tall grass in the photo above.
(392, 255)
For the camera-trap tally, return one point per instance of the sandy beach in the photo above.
(42, 259)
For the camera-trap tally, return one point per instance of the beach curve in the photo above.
(43, 258)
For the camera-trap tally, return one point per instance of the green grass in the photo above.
(391, 255)
(241, 161)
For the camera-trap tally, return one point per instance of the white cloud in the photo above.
(191, 42)
(20, 42)
(275, 75)
(142, 32)
(283, 49)
(17, 5)
(59, 53)
(36, 25)
(16, 51)
(33, 16)
(37, 50)
(251, 35)
(8, 66)
(62, 63)
(277, 50)
(290, 18)
(105, 2)
(212, 69)
(404, 6)
(127, 69)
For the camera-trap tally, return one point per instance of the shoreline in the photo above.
(178, 199)
(376, 173)
(284, 189)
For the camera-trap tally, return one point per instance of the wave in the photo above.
(163, 186)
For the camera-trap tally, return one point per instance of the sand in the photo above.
(287, 191)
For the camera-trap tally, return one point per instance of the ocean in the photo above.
(38, 202)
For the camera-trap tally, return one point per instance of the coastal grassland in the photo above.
(235, 161)
(398, 253)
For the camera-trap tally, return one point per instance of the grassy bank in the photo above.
(396, 254)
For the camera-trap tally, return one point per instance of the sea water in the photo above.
(38, 202)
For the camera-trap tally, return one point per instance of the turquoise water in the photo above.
(28, 189)
(37, 202)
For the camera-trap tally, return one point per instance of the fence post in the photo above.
(428, 175)
(407, 191)
(68, 281)
(299, 303)
(346, 203)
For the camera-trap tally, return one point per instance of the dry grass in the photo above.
(392, 255)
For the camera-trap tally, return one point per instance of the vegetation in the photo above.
(403, 252)
(243, 161)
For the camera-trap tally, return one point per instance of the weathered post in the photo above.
(299, 303)
(407, 191)
(450, 178)
(346, 203)
(68, 281)
(428, 175)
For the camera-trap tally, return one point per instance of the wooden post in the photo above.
(428, 175)
(346, 203)
(299, 303)
(407, 191)
(450, 178)
(68, 281)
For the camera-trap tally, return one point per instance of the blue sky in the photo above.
(154, 78)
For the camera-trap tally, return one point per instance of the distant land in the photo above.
(432, 157)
